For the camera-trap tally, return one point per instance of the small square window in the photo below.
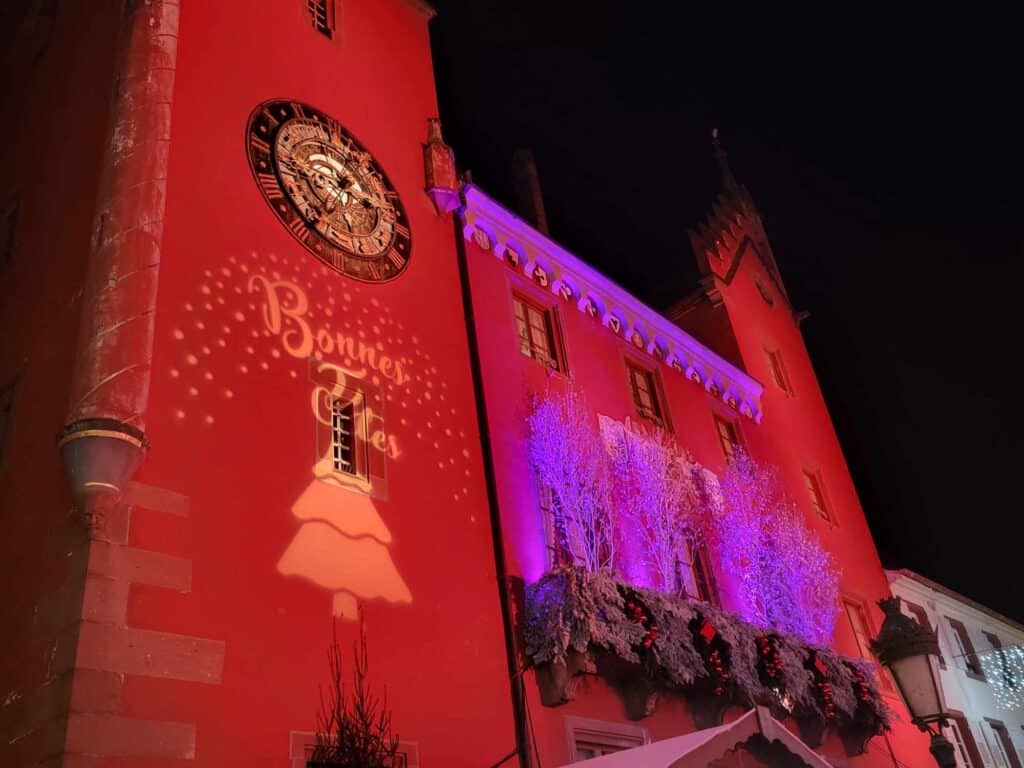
(728, 436)
(644, 386)
(777, 370)
(594, 738)
(815, 489)
(321, 16)
(537, 330)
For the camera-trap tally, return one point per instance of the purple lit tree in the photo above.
(787, 579)
(569, 459)
(656, 494)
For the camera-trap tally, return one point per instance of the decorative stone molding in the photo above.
(79, 713)
(491, 226)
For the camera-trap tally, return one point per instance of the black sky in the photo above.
(885, 153)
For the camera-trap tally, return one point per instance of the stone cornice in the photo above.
(493, 227)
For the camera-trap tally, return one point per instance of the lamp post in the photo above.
(909, 652)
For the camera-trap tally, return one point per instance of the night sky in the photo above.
(885, 155)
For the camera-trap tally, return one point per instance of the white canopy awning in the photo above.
(698, 749)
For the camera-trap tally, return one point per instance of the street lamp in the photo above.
(910, 653)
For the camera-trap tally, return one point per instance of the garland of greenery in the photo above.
(697, 647)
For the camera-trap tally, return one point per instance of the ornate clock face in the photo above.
(328, 190)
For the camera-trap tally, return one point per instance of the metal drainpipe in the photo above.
(511, 645)
(103, 440)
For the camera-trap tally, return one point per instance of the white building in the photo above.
(984, 687)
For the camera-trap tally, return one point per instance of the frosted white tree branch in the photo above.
(569, 459)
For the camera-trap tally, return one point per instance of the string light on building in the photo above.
(1004, 670)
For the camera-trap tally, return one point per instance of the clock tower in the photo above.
(272, 435)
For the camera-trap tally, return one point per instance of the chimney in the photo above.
(529, 199)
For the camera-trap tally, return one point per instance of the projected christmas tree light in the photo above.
(327, 340)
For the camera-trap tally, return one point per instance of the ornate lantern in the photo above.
(910, 653)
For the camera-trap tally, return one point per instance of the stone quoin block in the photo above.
(141, 566)
(146, 652)
(127, 737)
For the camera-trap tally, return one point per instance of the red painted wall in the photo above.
(797, 433)
(230, 420)
(793, 431)
(232, 427)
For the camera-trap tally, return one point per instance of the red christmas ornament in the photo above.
(707, 631)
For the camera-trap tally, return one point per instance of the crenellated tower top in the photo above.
(732, 229)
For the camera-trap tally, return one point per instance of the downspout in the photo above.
(511, 644)
(104, 439)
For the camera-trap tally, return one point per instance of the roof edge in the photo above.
(953, 594)
(496, 228)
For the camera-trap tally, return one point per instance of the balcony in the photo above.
(646, 644)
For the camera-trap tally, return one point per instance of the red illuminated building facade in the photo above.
(269, 366)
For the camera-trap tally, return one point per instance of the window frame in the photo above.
(885, 683)
(973, 758)
(371, 446)
(330, 27)
(700, 569)
(821, 504)
(1008, 752)
(345, 410)
(603, 733)
(732, 424)
(555, 353)
(655, 391)
(778, 372)
(557, 548)
(765, 293)
(968, 654)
